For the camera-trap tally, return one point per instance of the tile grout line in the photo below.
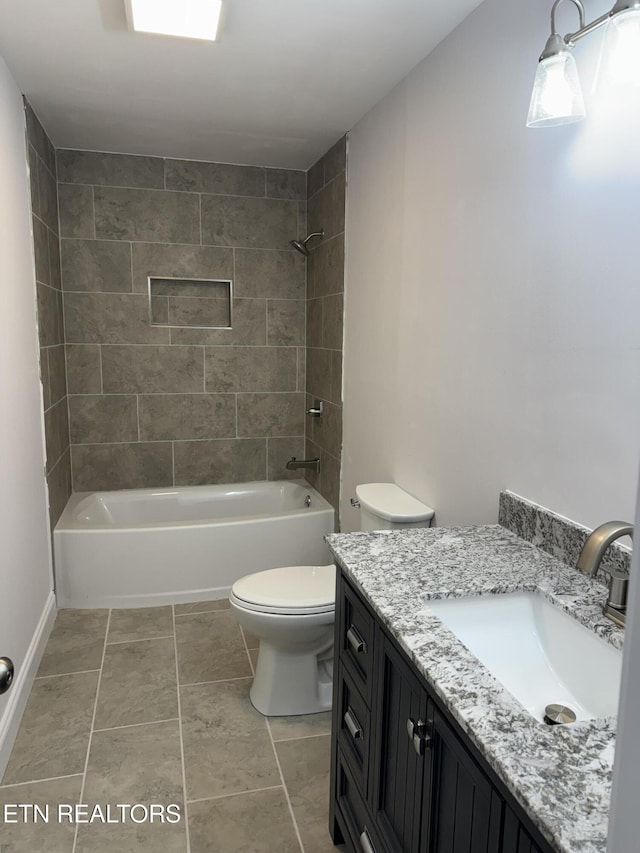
(182, 761)
(93, 720)
(236, 794)
(277, 760)
(38, 781)
(64, 675)
(136, 725)
(139, 640)
(217, 681)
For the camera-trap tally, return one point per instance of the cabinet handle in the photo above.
(351, 722)
(365, 843)
(355, 641)
(418, 734)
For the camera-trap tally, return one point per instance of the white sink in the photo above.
(537, 651)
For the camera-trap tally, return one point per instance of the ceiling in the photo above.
(285, 80)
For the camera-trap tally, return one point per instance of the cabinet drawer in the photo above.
(364, 838)
(354, 724)
(356, 642)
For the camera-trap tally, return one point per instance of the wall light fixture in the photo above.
(557, 95)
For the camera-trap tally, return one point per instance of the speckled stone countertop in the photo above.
(561, 775)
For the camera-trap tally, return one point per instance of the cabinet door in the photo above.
(515, 838)
(399, 757)
(466, 812)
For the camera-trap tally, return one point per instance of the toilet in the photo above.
(291, 611)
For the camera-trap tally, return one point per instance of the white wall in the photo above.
(25, 564)
(492, 292)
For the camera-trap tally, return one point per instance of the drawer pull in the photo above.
(351, 722)
(355, 641)
(365, 843)
(418, 734)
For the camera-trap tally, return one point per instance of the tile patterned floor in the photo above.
(152, 706)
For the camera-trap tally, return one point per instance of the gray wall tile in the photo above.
(49, 302)
(249, 327)
(285, 183)
(56, 423)
(268, 273)
(110, 318)
(198, 311)
(326, 431)
(251, 368)
(41, 251)
(248, 222)
(44, 377)
(216, 178)
(302, 368)
(36, 135)
(97, 467)
(279, 452)
(221, 461)
(33, 180)
(187, 416)
(270, 414)
(83, 369)
(54, 261)
(96, 265)
(117, 170)
(76, 211)
(335, 160)
(330, 479)
(57, 373)
(48, 197)
(332, 321)
(314, 322)
(286, 322)
(59, 482)
(315, 178)
(336, 377)
(97, 419)
(177, 261)
(152, 369)
(147, 215)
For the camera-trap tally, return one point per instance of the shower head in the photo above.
(301, 245)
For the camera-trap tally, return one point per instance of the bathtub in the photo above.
(142, 547)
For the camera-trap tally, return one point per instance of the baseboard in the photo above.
(21, 688)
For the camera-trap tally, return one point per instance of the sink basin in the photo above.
(537, 651)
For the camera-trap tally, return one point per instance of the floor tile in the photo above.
(210, 648)
(201, 606)
(76, 642)
(129, 837)
(259, 822)
(226, 744)
(35, 835)
(305, 725)
(138, 684)
(142, 623)
(139, 764)
(305, 767)
(250, 639)
(54, 733)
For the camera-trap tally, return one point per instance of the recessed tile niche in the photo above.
(189, 302)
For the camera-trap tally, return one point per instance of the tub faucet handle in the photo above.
(316, 410)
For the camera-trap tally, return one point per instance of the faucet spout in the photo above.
(295, 464)
(597, 544)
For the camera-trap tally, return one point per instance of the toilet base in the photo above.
(292, 684)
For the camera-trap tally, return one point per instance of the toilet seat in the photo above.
(290, 590)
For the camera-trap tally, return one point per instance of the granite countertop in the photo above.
(561, 775)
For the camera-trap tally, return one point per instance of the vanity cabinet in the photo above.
(404, 777)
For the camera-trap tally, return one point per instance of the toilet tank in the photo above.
(385, 506)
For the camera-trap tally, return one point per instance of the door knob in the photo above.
(6, 674)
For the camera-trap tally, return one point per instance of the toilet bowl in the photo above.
(291, 611)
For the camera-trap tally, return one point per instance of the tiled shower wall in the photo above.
(155, 406)
(326, 189)
(44, 205)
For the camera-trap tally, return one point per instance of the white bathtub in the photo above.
(141, 547)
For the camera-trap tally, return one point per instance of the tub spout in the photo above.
(294, 464)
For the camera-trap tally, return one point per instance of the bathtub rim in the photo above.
(68, 524)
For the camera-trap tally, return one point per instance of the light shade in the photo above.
(192, 19)
(620, 55)
(557, 95)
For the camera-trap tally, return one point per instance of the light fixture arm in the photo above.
(554, 9)
(585, 29)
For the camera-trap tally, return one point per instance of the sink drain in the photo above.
(559, 715)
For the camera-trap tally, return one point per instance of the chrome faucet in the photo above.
(294, 464)
(589, 562)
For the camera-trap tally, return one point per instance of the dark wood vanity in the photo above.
(404, 777)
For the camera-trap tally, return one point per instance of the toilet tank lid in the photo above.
(388, 501)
